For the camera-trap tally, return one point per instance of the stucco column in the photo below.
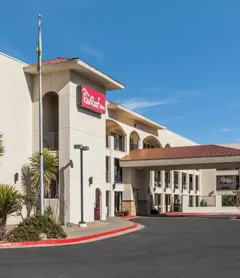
(151, 188)
(144, 200)
(129, 180)
(163, 208)
(140, 144)
(111, 178)
(126, 144)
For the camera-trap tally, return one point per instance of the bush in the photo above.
(32, 228)
(125, 213)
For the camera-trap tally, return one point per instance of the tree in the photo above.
(10, 204)
(50, 169)
(1, 145)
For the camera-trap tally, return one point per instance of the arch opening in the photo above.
(133, 140)
(151, 142)
(115, 130)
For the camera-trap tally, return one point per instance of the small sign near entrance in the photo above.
(92, 100)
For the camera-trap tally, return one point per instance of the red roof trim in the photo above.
(54, 61)
(181, 153)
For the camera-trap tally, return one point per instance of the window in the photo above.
(191, 182)
(117, 171)
(227, 182)
(157, 178)
(190, 201)
(175, 179)
(197, 182)
(184, 180)
(107, 169)
(197, 201)
(167, 179)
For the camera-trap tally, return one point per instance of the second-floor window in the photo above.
(191, 182)
(107, 169)
(167, 179)
(197, 182)
(118, 141)
(176, 180)
(184, 180)
(117, 171)
(157, 178)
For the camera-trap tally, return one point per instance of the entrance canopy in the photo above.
(183, 158)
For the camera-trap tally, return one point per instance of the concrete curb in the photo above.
(88, 238)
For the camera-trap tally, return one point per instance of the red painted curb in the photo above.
(199, 213)
(70, 240)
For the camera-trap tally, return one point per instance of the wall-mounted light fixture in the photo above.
(90, 180)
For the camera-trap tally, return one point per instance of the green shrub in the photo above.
(32, 228)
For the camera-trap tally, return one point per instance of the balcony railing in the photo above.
(50, 141)
(167, 184)
(184, 185)
(176, 186)
(133, 147)
(157, 181)
(119, 144)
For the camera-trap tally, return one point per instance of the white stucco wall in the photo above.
(86, 128)
(15, 120)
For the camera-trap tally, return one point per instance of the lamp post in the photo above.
(81, 148)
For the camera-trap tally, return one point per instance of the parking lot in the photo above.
(166, 247)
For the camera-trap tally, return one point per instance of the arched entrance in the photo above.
(97, 204)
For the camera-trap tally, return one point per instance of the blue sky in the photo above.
(180, 60)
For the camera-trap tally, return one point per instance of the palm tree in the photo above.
(1, 145)
(10, 203)
(50, 169)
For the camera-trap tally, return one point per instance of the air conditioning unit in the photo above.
(159, 184)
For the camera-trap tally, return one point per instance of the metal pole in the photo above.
(81, 169)
(40, 116)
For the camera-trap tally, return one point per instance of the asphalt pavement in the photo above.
(166, 247)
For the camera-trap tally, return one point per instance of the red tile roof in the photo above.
(54, 61)
(181, 152)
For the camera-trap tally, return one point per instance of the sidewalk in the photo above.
(113, 226)
(112, 223)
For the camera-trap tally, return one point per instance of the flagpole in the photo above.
(40, 115)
